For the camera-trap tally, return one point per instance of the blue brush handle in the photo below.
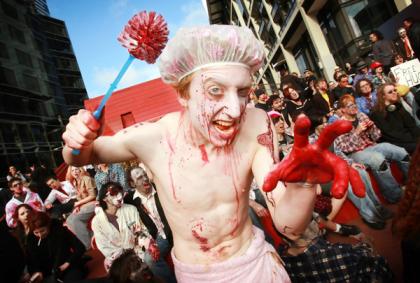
(98, 112)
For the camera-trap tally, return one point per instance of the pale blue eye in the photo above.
(215, 91)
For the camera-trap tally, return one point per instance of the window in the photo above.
(31, 83)
(9, 136)
(51, 89)
(41, 65)
(59, 45)
(70, 81)
(48, 67)
(3, 51)
(17, 34)
(7, 76)
(24, 58)
(364, 16)
(65, 63)
(39, 44)
(11, 104)
(347, 25)
(37, 133)
(9, 10)
(55, 29)
(24, 133)
(127, 119)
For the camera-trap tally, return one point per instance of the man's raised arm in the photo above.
(82, 134)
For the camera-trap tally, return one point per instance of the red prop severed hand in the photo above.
(314, 163)
(154, 250)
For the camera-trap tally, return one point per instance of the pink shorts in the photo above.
(260, 263)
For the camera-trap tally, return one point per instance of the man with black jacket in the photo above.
(146, 200)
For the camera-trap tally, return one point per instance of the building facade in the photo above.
(40, 84)
(307, 34)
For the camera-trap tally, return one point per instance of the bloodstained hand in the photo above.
(154, 250)
(314, 163)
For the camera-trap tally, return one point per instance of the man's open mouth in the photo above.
(224, 125)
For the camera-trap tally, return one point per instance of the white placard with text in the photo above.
(407, 73)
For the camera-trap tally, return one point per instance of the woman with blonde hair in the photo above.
(84, 207)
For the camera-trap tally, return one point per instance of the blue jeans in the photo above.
(377, 158)
(160, 268)
(368, 206)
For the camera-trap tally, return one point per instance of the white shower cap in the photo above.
(194, 48)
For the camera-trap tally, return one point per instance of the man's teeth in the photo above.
(224, 123)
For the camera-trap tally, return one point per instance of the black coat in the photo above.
(319, 106)
(145, 218)
(397, 127)
(294, 110)
(58, 247)
(11, 256)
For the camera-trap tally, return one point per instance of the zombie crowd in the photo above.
(49, 225)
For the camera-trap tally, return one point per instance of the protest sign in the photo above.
(407, 73)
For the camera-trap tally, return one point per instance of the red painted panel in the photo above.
(147, 101)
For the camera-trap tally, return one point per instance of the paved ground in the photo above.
(384, 242)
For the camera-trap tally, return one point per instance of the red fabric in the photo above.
(408, 50)
(61, 171)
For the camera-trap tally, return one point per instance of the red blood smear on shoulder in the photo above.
(204, 156)
(203, 241)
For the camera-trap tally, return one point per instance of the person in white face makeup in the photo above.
(204, 158)
(146, 200)
(117, 226)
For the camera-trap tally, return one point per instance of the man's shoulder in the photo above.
(128, 198)
(149, 129)
(11, 202)
(255, 118)
(169, 119)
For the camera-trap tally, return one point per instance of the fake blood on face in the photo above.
(204, 156)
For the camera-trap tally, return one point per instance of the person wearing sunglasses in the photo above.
(145, 198)
(398, 127)
(117, 227)
(21, 195)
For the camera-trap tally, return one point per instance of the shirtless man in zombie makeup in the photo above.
(203, 159)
